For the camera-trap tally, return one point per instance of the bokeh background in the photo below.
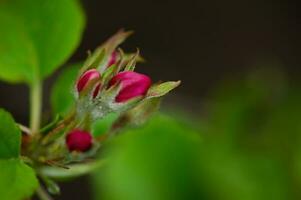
(239, 62)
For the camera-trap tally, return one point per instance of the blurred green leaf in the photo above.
(62, 97)
(143, 111)
(232, 174)
(17, 55)
(52, 187)
(10, 136)
(103, 125)
(73, 171)
(17, 180)
(240, 108)
(37, 36)
(158, 161)
(251, 136)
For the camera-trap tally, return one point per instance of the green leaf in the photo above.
(103, 125)
(37, 36)
(158, 162)
(62, 97)
(75, 170)
(162, 89)
(17, 180)
(10, 136)
(17, 54)
(232, 174)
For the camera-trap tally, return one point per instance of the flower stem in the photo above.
(42, 194)
(35, 105)
(24, 129)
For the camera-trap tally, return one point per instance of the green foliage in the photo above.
(62, 97)
(17, 180)
(167, 160)
(233, 174)
(37, 36)
(250, 149)
(158, 161)
(10, 137)
(103, 125)
(251, 136)
(74, 171)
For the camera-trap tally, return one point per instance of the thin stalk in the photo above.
(35, 105)
(24, 129)
(42, 194)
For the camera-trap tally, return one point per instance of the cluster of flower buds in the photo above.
(107, 83)
(132, 84)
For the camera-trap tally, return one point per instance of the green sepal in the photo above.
(130, 66)
(51, 125)
(93, 60)
(142, 112)
(162, 89)
(100, 57)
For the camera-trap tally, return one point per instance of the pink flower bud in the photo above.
(85, 80)
(113, 59)
(96, 90)
(132, 85)
(78, 140)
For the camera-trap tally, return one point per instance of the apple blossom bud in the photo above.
(96, 90)
(132, 83)
(79, 140)
(112, 59)
(87, 79)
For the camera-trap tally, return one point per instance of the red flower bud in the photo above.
(96, 90)
(78, 140)
(113, 59)
(132, 85)
(90, 76)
